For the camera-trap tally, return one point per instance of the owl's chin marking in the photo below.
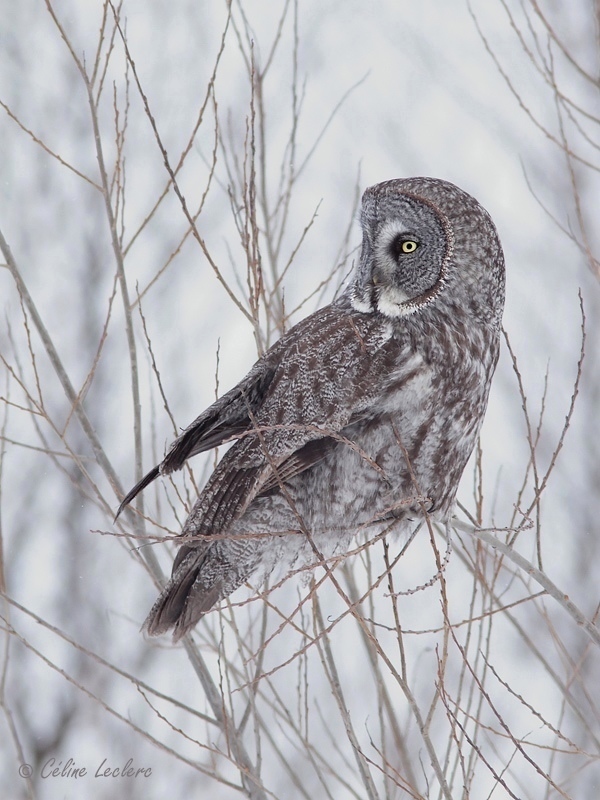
(394, 303)
(390, 303)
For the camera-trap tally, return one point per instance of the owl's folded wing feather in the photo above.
(283, 416)
(233, 487)
(302, 415)
(223, 421)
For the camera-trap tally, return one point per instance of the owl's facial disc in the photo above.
(408, 258)
(404, 256)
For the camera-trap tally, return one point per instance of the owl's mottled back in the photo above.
(362, 417)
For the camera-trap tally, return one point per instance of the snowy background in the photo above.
(364, 93)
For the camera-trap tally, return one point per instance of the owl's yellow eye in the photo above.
(403, 244)
(409, 246)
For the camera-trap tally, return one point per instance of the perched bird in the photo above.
(363, 414)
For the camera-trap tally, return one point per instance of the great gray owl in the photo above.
(363, 414)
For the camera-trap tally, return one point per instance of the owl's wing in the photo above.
(232, 487)
(329, 373)
(312, 383)
(227, 418)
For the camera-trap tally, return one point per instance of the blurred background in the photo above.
(134, 291)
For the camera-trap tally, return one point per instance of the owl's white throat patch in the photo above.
(388, 300)
(394, 303)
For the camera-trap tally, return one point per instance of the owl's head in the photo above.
(426, 242)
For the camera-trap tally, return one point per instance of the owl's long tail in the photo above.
(202, 575)
(182, 603)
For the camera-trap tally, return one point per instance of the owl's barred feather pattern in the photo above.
(364, 413)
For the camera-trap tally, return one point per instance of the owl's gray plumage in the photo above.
(365, 412)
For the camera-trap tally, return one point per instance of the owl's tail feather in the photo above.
(185, 598)
(146, 480)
